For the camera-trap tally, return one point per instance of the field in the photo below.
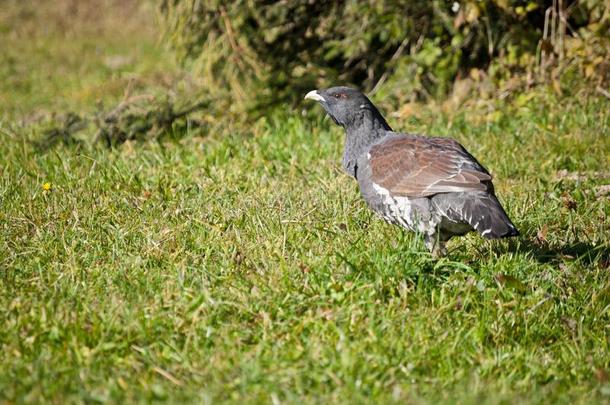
(242, 265)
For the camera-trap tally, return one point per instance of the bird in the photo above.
(430, 185)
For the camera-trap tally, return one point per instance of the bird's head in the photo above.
(344, 105)
(361, 120)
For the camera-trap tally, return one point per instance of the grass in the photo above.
(243, 266)
(69, 54)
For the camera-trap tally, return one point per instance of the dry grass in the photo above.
(70, 55)
(71, 19)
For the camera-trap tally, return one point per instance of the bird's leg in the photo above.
(439, 250)
(435, 245)
(429, 240)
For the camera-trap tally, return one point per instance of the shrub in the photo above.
(263, 52)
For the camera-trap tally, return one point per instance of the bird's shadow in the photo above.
(583, 252)
(422, 264)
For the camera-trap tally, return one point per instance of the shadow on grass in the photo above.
(410, 261)
(583, 252)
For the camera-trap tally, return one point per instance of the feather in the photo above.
(416, 166)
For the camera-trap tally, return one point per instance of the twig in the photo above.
(232, 41)
(241, 53)
(538, 304)
(395, 56)
(127, 121)
(168, 376)
(602, 91)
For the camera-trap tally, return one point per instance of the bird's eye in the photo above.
(340, 95)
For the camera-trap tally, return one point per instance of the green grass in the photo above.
(56, 56)
(243, 266)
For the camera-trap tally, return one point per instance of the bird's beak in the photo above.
(314, 95)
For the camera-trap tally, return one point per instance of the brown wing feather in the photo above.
(414, 166)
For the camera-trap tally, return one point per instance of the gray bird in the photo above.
(429, 185)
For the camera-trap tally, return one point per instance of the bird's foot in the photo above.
(439, 250)
(435, 246)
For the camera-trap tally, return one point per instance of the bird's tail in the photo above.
(485, 214)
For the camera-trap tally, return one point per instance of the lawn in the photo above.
(242, 265)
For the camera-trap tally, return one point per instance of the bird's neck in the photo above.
(366, 129)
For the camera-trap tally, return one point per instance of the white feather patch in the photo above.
(398, 209)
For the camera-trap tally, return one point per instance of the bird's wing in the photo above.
(415, 166)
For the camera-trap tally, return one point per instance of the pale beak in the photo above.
(314, 95)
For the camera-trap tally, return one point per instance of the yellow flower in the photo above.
(47, 186)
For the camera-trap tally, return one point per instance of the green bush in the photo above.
(264, 52)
